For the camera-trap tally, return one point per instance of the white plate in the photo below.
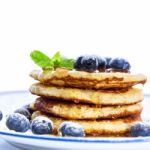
(9, 101)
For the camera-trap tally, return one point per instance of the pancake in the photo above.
(97, 127)
(86, 80)
(84, 111)
(99, 97)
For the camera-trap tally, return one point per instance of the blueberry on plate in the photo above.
(1, 115)
(41, 125)
(108, 59)
(27, 106)
(101, 64)
(17, 122)
(24, 112)
(140, 129)
(71, 129)
(119, 63)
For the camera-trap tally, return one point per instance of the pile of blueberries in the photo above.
(91, 63)
(20, 121)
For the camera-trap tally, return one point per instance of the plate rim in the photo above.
(77, 139)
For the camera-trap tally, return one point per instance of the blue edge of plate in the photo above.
(83, 140)
(72, 139)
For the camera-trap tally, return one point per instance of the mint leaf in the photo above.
(60, 62)
(67, 63)
(56, 59)
(41, 60)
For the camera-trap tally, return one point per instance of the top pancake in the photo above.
(86, 80)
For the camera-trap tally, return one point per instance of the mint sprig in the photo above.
(57, 61)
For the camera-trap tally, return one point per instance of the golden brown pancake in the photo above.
(99, 97)
(97, 127)
(83, 111)
(86, 80)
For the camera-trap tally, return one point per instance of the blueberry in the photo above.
(108, 59)
(89, 63)
(78, 65)
(101, 63)
(41, 125)
(24, 112)
(27, 106)
(1, 115)
(119, 63)
(140, 129)
(71, 129)
(17, 122)
(86, 63)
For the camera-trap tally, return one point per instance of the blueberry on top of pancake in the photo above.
(120, 63)
(87, 63)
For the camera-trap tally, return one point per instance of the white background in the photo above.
(108, 28)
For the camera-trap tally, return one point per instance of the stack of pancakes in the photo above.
(104, 104)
